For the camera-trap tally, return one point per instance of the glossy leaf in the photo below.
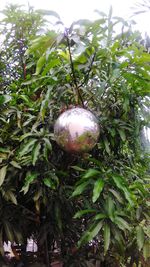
(80, 189)
(81, 213)
(35, 153)
(98, 187)
(49, 183)
(30, 177)
(90, 173)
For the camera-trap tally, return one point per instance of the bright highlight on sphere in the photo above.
(76, 130)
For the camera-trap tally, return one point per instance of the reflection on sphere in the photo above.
(76, 130)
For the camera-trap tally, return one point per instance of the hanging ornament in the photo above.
(76, 130)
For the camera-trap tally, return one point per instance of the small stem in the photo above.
(73, 71)
(89, 70)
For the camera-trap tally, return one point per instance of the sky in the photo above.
(71, 10)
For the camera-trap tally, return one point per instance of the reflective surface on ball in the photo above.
(76, 130)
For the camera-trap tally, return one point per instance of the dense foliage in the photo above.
(93, 206)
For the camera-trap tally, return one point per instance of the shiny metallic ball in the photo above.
(76, 130)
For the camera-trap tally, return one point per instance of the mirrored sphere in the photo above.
(76, 130)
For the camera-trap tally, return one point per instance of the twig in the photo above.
(73, 71)
(89, 70)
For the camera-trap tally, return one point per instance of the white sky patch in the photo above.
(71, 10)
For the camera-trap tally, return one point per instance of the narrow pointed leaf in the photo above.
(146, 250)
(140, 236)
(27, 147)
(12, 197)
(35, 153)
(40, 64)
(98, 187)
(110, 208)
(80, 189)
(107, 147)
(122, 135)
(15, 164)
(122, 224)
(49, 146)
(90, 233)
(80, 213)
(3, 172)
(100, 216)
(91, 173)
(117, 195)
(106, 238)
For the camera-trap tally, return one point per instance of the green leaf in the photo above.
(3, 172)
(121, 223)
(30, 177)
(129, 196)
(118, 236)
(26, 99)
(90, 173)
(138, 186)
(12, 197)
(100, 216)
(40, 64)
(110, 208)
(121, 184)
(106, 238)
(80, 189)
(98, 187)
(122, 134)
(49, 183)
(15, 164)
(77, 168)
(5, 150)
(35, 153)
(107, 147)
(49, 13)
(47, 141)
(25, 188)
(140, 236)
(80, 213)
(28, 147)
(90, 233)
(117, 195)
(45, 102)
(146, 250)
(119, 181)
(95, 230)
(53, 63)
(27, 135)
(4, 99)
(82, 59)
